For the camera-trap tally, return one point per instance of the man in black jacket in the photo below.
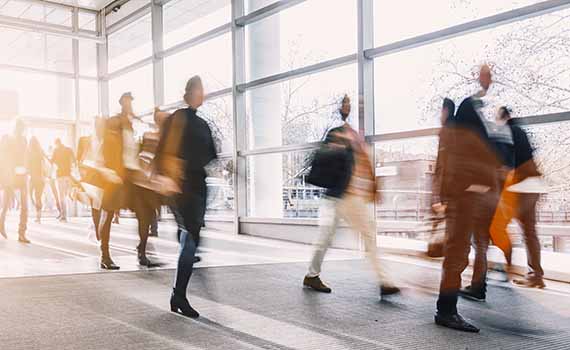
(185, 149)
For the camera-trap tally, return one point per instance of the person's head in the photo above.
(345, 108)
(19, 127)
(126, 102)
(194, 92)
(503, 115)
(58, 142)
(485, 77)
(447, 110)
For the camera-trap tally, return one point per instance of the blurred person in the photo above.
(436, 244)
(501, 139)
(37, 166)
(5, 176)
(90, 160)
(350, 196)
(64, 159)
(120, 154)
(185, 149)
(16, 162)
(468, 175)
(520, 203)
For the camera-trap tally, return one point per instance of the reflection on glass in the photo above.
(530, 62)
(299, 110)
(87, 58)
(220, 201)
(219, 115)
(88, 99)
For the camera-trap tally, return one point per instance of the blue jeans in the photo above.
(185, 262)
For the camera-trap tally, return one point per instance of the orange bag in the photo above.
(505, 212)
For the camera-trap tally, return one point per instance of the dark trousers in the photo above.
(189, 214)
(463, 218)
(8, 197)
(37, 191)
(482, 237)
(526, 215)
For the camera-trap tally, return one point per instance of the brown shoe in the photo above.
(530, 282)
(389, 290)
(316, 284)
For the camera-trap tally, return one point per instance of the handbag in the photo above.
(329, 166)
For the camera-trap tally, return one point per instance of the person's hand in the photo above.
(165, 185)
(439, 208)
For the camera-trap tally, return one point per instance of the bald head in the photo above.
(485, 77)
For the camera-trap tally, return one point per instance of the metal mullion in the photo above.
(157, 47)
(45, 28)
(470, 27)
(131, 18)
(36, 70)
(210, 96)
(61, 5)
(281, 149)
(266, 11)
(211, 34)
(86, 77)
(544, 119)
(103, 66)
(239, 116)
(300, 72)
(129, 68)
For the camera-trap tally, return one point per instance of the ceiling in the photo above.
(90, 4)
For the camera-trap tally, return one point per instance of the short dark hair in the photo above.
(505, 112)
(450, 106)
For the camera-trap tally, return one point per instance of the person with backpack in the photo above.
(343, 166)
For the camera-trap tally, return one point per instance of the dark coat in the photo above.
(525, 165)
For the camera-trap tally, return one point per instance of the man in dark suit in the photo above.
(185, 148)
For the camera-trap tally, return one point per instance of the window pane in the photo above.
(254, 5)
(37, 95)
(139, 83)
(277, 187)
(220, 200)
(211, 60)
(530, 60)
(124, 10)
(185, 19)
(87, 58)
(88, 99)
(394, 21)
(35, 50)
(291, 40)
(36, 12)
(300, 110)
(131, 44)
(219, 115)
(87, 21)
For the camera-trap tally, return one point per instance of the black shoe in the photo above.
(108, 264)
(389, 290)
(316, 284)
(473, 293)
(144, 261)
(455, 321)
(197, 259)
(181, 306)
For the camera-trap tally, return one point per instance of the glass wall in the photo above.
(290, 75)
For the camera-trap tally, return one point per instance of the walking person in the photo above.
(350, 196)
(186, 147)
(16, 164)
(37, 166)
(64, 159)
(469, 174)
(524, 199)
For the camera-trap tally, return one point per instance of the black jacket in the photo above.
(343, 171)
(524, 153)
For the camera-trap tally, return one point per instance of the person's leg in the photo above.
(6, 203)
(62, 191)
(328, 222)
(96, 217)
(145, 215)
(357, 212)
(178, 300)
(23, 212)
(105, 235)
(456, 253)
(527, 217)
